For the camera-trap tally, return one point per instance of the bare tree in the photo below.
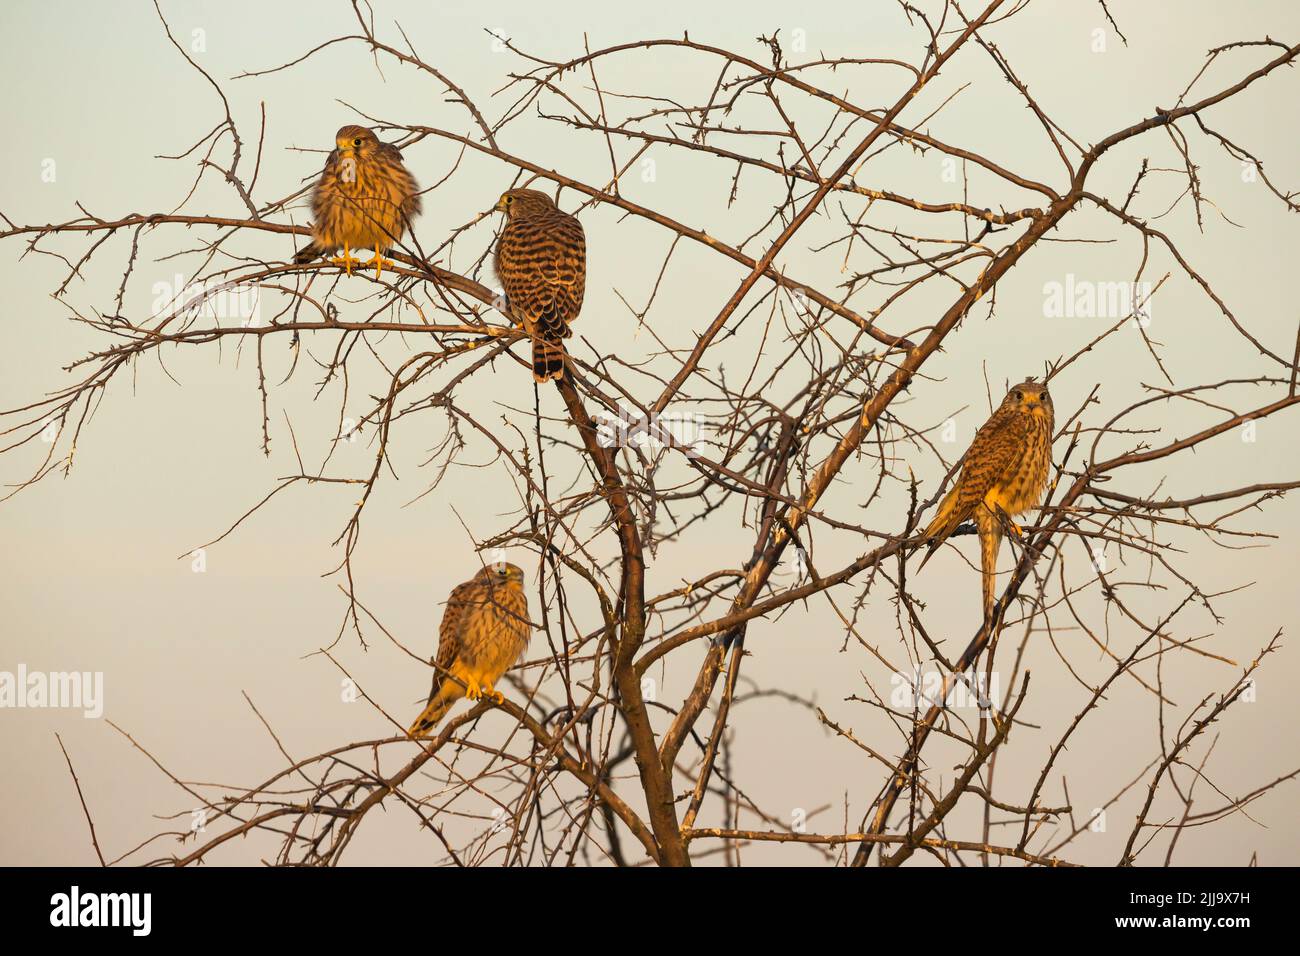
(792, 389)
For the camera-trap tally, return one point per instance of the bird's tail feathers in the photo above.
(931, 548)
(943, 524)
(307, 253)
(990, 539)
(431, 716)
(548, 359)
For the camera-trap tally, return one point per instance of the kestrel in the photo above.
(484, 631)
(541, 259)
(1004, 475)
(365, 199)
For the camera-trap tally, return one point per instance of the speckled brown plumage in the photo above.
(1004, 475)
(484, 631)
(541, 260)
(365, 199)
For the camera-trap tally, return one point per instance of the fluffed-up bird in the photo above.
(484, 631)
(541, 260)
(1003, 475)
(365, 198)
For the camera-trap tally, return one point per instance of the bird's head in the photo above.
(355, 140)
(523, 202)
(1032, 398)
(503, 573)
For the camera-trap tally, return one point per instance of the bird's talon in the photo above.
(346, 262)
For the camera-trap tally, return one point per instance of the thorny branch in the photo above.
(802, 389)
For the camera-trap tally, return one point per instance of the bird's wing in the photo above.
(412, 204)
(993, 454)
(567, 266)
(320, 192)
(461, 603)
(565, 273)
(511, 250)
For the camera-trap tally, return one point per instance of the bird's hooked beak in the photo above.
(508, 573)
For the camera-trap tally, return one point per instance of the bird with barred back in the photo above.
(541, 260)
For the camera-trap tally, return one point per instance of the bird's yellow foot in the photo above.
(347, 261)
(378, 262)
(1009, 524)
(492, 693)
(472, 689)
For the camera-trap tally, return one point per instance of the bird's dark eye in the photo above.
(357, 141)
(509, 200)
(1020, 396)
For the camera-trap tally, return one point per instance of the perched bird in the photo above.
(484, 630)
(365, 199)
(1004, 475)
(541, 259)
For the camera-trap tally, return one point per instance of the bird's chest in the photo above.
(365, 193)
(497, 637)
(1022, 485)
